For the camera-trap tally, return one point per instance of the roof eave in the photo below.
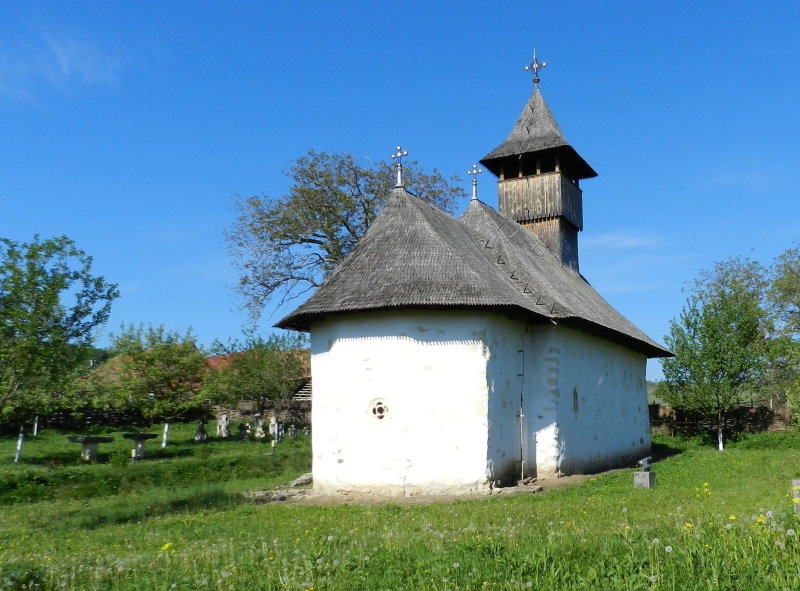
(580, 169)
(303, 322)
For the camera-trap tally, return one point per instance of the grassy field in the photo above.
(179, 520)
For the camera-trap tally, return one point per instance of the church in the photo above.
(452, 356)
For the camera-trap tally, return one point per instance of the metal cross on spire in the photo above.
(474, 172)
(534, 67)
(399, 155)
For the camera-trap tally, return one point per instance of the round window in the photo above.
(379, 409)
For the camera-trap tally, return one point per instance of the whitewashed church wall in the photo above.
(542, 444)
(400, 403)
(506, 357)
(593, 414)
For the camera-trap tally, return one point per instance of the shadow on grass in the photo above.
(661, 451)
(188, 502)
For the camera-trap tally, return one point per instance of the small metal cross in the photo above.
(534, 67)
(474, 172)
(399, 155)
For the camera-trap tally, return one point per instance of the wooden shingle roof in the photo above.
(537, 132)
(416, 256)
(535, 269)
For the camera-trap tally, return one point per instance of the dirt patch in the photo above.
(565, 481)
(307, 496)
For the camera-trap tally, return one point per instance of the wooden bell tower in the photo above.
(539, 176)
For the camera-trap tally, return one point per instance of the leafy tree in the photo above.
(792, 380)
(95, 390)
(261, 370)
(784, 292)
(718, 341)
(50, 305)
(158, 371)
(781, 380)
(784, 301)
(285, 246)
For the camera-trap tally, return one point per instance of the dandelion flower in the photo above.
(456, 565)
(667, 549)
(790, 532)
(656, 541)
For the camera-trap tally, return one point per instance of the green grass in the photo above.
(51, 469)
(714, 521)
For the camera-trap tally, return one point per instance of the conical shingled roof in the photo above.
(416, 256)
(536, 131)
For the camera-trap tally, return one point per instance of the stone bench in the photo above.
(89, 445)
(137, 453)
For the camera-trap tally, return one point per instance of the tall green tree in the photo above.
(51, 302)
(263, 370)
(285, 246)
(718, 341)
(784, 303)
(94, 389)
(784, 292)
(160, 372)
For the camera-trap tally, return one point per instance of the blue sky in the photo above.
(130, 126)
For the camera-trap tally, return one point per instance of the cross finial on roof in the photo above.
(474, 172)
(399, 155)
(534, 67)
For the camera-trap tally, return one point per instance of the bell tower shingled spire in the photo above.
(539, 176)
